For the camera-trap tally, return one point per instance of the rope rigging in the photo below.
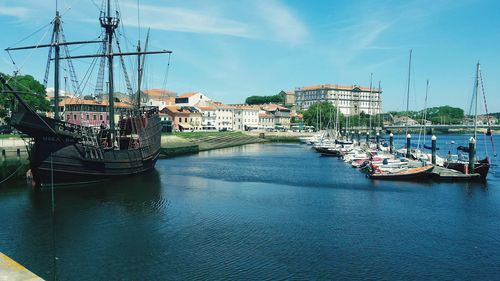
(487, 115)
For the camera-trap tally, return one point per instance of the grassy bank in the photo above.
(172, 145)
(216, 140)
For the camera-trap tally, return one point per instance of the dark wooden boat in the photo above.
(65, 153)
(481, 167)
(328, 151)
(407, 174)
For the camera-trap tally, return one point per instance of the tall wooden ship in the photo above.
(61, 152)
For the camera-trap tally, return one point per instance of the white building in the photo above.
(351, 100)
(245, 118)
(191, 99)
(266, 120)
(224, 117)
(209, 119)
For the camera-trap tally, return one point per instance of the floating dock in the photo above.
(12, 271)
(444, 174)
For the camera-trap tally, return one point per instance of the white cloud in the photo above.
(281, 22)
(186, 20)
(264, 20)
(17, 12)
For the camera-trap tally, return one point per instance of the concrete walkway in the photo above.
(12, 271)
(5, 143)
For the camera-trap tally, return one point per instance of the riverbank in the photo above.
(280, 136)
(194, 142)
(13, 159)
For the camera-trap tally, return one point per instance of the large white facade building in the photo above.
(245, 118)
(351, 100)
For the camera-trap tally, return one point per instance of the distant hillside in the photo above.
(448, 114)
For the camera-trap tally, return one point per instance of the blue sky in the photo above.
(232, 49)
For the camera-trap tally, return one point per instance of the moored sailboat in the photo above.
(481, 166)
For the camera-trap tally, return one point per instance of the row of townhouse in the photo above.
(219, 117)
(196, 112)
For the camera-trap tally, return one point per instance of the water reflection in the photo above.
(263, 211)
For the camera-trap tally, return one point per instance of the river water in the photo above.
(262, 211)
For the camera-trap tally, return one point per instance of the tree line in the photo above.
(265, 99)
(29, 89)
(437, 115)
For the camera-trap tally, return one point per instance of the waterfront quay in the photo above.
(258, 211)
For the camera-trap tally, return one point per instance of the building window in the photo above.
(68, 117)
(88, 117)
(95, 117)
(100, 117)
(74, 116)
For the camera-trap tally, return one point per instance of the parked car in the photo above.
(5, 131)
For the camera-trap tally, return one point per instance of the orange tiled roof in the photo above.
(158, 92)
(245, 106)
(265, 115)
(187, 95)
(272, 106)
(206, 107)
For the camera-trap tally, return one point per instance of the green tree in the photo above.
(264, 99)
(30, 90)
(322, 115)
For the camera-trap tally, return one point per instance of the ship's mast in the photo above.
(110, 23)
(139, 74)
(140, 68)
(57, 28)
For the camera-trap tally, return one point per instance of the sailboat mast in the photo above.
(408, 95)
(370, 104)
(57, 28)
(377, 108)
(425, 109)
(478, 68)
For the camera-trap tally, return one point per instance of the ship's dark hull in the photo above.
(328, 151)
(481, 167)
(65, 166)
(60, 154)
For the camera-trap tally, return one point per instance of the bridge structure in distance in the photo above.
(442, 127)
